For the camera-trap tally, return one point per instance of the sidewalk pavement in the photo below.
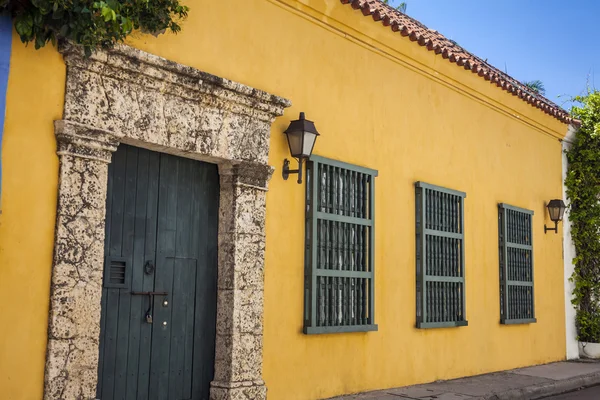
(524, 383)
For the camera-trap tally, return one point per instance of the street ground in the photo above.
(592, 393)
(542, 381)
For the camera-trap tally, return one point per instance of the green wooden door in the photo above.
(160, 278)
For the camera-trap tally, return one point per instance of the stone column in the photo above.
(76, 287)
(239, 342)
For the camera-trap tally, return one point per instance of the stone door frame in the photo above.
(128, 96)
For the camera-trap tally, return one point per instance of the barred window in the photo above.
(339, 259)
(516, 265)
(440, 257)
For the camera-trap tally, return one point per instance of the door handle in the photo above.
(150, 295)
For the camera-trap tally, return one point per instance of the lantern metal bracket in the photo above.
(286, 171)
(555, 229)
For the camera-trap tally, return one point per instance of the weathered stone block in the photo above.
(241, 261)
(238, 358)
(252, 392)
(240, 311)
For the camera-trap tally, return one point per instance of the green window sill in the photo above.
(518, 321)
(339, 329)
(431, 325)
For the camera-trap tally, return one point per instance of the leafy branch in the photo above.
(536, 85)
(92, 24)
(400, 7)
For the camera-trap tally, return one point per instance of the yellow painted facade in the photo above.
(379, 100)
(34, 100)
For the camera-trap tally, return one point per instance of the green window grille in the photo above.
(440, 257)
(516, 265)
(339, 259)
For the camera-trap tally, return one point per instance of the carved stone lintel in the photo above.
(129, 64)
(156, 101)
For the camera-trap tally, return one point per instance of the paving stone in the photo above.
(416, 392)
(381, 395)
(560, 371)
(484, 384)
(449, 396)
(524, 383)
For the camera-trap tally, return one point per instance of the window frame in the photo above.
(311, 271)
(503, 265)
(421, 255)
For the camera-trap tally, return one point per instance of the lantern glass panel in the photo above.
(553, 211)
(561, 212)
(295, 143)
(309, 143)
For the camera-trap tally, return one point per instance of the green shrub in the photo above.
(89, 23)
(583, 192)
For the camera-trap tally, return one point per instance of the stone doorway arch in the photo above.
(128, 96)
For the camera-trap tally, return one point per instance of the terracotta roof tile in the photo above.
(436, 42)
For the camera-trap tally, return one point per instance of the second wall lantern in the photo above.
(556, 210)
(301, 137)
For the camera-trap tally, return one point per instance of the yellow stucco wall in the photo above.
(34, 100)
(378, 100)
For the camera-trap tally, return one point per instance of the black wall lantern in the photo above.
(301, 136)
(556, 210)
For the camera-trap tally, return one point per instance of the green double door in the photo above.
(160, 278)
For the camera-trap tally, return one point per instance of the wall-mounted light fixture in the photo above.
(301, 136)
(556, 210)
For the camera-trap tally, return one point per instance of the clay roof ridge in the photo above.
(455, 53)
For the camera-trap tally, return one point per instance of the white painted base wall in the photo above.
(568, 255)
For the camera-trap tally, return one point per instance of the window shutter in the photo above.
(340, 241)
(440, 256)
(516, 265)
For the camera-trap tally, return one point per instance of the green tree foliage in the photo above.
(583, 192)
(91, 23)
(400, 7)
(536, 85)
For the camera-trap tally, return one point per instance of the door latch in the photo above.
(150, 295)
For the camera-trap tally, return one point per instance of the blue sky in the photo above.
(557, 42)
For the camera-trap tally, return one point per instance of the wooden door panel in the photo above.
(205, 250)
(138, 369)
(161, 226)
